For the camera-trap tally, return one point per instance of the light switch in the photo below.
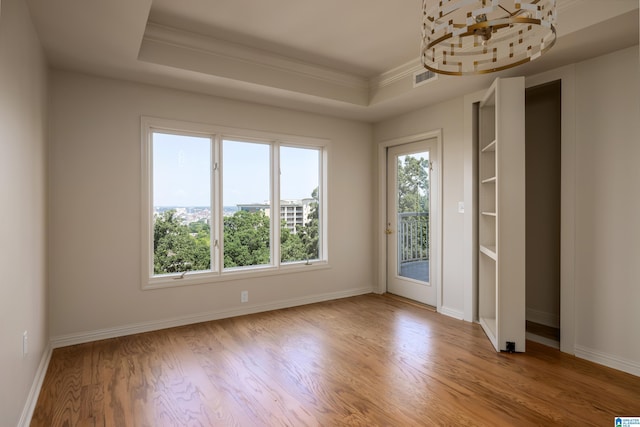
(460, 207)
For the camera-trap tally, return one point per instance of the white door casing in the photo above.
(435, 266)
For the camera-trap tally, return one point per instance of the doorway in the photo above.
(411, 209)
(543, 199)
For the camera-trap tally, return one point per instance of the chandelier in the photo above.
(464, 37)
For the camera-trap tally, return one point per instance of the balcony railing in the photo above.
(413, 237)
(413, 246)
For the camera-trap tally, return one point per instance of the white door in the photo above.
(410, 213)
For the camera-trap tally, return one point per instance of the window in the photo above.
(246, 182)
(181, 203)
(299, 208)
(221, 203)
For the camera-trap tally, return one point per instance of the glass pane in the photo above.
(182, 203)
(413, 216)
(246, 199)
(299, 207)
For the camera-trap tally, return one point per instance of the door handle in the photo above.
(388, 231)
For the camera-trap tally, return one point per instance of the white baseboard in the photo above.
(615, 362)
(456, 314)
(543, 318)
(101, 334)
(36, 386)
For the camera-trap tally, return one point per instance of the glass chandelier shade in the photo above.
(466, 37)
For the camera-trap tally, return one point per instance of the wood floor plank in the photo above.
(362, 361)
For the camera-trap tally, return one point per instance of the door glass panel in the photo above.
(412, 206)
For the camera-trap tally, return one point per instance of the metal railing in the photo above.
(413, 237)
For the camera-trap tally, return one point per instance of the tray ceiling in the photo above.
(352, 59)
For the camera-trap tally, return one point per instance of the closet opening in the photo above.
(543, 199)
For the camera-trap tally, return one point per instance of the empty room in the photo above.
(371, 212)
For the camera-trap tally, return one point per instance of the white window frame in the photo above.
(149, 125)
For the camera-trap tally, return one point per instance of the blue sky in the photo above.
(181, 171)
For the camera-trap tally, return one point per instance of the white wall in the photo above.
(95, 209)
(23, 285)
(607, 285)
(448, 117)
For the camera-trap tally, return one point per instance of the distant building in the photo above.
(294, 212)
(256, 207)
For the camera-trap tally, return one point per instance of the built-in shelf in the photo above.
(490, 147)
(489, 180)
(501, 222)
(489, 251)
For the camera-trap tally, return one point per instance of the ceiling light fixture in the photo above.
(465, 37)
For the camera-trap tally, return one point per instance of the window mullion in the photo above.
(275, 191)
(322, 210)
(215, 208)
(148, 160)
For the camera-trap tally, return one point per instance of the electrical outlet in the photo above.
(25, 344)
(244, 296)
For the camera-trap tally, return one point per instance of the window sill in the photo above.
(173, 281)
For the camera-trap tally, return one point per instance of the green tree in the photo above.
(413, 184)
(179, 247)
(413, 197)
(175, 249)
(199, 228)
(291, 246)
(246, 239)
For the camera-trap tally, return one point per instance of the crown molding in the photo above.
(162, 34)
(406, 70)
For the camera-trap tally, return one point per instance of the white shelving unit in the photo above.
(501, 223)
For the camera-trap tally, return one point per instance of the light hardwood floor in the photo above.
(362, 361)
